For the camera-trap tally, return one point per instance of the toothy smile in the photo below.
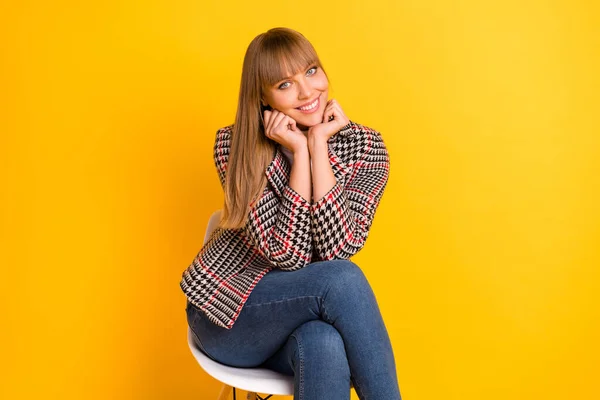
(309, 107)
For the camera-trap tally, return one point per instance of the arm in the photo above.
(300, 179)
(280, 228)
(322, 175)
(342, 215)
(286, 242)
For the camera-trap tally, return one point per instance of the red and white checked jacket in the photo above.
(284, 230)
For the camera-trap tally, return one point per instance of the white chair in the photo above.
(253, 380)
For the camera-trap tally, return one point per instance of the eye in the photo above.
(307, 72)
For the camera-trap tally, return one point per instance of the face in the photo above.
(302, 96)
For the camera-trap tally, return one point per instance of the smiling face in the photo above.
(302, 96)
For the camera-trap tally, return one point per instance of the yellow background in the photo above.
(484, 253)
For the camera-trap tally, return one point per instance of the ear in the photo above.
(263, 100)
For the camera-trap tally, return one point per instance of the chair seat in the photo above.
(258, 380)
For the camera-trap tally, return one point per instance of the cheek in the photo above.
(283, 100)
(322, 83)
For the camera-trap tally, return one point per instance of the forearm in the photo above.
(322, 175)
(300, 174)
(283, 237)
(341, 216)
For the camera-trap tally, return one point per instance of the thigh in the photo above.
(279, 303)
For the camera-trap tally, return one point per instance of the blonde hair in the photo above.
(270, 57)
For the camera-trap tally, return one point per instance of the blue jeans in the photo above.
(320, 324)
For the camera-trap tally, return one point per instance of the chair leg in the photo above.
(225, 390)
(251, 396)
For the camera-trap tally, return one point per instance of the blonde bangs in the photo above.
(285, 56)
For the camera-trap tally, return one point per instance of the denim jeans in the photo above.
(320, 324)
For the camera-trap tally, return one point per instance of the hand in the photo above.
(334, 119)
(283, 130)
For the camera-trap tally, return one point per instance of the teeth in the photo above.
(310, 107)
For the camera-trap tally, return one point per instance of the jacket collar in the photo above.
(279, 169)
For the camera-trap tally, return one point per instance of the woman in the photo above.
(273, 286)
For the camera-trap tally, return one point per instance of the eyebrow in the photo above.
(289, 77)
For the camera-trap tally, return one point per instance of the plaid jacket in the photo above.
(284, 230)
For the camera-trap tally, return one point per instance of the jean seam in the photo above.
(301, 372)
(196, 311)
(325, 315)
(203, 349)
(357, 388)
(279, 301)
(327, 319)
(200, 345)
(191, 305)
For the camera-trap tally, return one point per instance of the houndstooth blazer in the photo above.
(284, 230)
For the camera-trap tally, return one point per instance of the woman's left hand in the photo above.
(333, 120)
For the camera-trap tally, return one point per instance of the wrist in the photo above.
(300, 151)
(316, 144)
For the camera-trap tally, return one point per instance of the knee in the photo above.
(347, 277)
(320, 342)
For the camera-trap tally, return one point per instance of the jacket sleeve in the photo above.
(221, 152)
(341, 219)
(279, 229)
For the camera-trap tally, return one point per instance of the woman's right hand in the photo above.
(282, 129)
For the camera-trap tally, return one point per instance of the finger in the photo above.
(337, 105)
(291, 122)
(340, 114)
(327, 106)
(328, 114)
(337, 112)
(339, 117)
(277, 125)
(274, 115)
(266, 119)
(334, 103)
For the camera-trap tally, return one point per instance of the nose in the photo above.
(305, 91)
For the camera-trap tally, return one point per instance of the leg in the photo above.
(315, 355)
(351, 307)
(225, 391)
(335, 291)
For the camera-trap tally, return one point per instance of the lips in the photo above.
(316, 103)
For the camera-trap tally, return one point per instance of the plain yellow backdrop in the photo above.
(484, 254)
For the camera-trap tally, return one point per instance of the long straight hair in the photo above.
(270, 57)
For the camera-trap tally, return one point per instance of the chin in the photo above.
(311, 120)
